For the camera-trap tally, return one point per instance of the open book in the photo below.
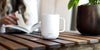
(22, 26)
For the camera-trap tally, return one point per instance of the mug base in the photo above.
(49, 38)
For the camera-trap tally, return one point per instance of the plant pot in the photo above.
(88, 19)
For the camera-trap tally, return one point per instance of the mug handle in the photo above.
(63, 24)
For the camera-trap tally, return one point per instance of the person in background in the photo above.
(8, 8)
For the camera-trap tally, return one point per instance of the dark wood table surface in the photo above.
(36, 42)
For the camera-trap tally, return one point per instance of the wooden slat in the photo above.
(49, 44)
(71, 33)
(63, 42)
(93, 37)
(11, 45)
(90, 40)
(79, 35)
(31, 45)
(3, 48)
(77, 41)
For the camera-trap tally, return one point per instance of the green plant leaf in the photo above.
(98, 1)
(72, 2)
(77, 1)
(91, 1)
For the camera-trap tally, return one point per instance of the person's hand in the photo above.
(9, 20)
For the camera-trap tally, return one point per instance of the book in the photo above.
(22, 26)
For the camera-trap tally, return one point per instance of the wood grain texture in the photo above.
(90, 40)
(3, 48)
(77, 41)
(12, 45)
(71, 33)
(48, 44)
(64, 43)
(29, 44)
(79, 35)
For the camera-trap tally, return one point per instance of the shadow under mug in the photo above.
(50, 26)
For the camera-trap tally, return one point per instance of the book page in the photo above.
(21, 24)
(18, 27)
(35, 26)
(21, 20)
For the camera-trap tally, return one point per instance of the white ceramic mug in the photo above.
(50, 26)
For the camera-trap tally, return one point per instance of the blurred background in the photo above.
(60, 7)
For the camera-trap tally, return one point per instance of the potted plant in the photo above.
(88, 17)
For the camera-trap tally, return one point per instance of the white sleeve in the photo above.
(31, 12)
(2, 29)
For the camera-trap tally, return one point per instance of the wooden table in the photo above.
(66, 41)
